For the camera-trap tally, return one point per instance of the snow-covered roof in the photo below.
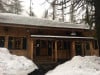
(64, 37)
(33, 21)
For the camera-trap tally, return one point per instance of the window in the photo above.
(37, 47)
(78, 48)
(43, 44)
(2, 41)
(95, 44)
(59, 45)
(24, 43)
(87, 46)
(49, 48)
(17, 43)
(63, 45)
(66, 45)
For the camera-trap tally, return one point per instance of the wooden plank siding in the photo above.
(30, 52)
(55, 41)
(14, 32)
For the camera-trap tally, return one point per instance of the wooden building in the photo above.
(44, 40)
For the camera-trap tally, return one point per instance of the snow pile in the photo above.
(14, 65)
(88, 65)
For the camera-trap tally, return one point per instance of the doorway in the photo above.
(78, 48)
(43, 49)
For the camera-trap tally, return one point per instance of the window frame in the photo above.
(2, 41)
(16, 43)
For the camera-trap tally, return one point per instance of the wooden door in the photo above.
(78, 48)
(43, 48)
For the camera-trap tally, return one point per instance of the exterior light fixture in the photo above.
(28, 30)
(73, 33)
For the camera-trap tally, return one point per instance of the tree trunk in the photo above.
(97, 20)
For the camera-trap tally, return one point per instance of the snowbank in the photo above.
(88, 65)
(14, 65)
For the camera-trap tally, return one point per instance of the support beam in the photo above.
(83, 48)
(6, 41)
(91, 48)
(56, 56)
(52, 51)
(73, 52)
(30, 48)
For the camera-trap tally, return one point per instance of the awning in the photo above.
(60, 37)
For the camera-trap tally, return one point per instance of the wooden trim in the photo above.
(65, 37)
(52, 51)
(82, 48)
(6, 41)
(91, 47)
(56, 56)
(73, 52)
(29, 49)
(41, 27)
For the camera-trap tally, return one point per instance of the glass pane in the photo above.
(59, 45)
(37, 47)
(95, 44)
(10, 43)
(66, 45)
(78, 48)
(2, 41)
(17, 43)
(87, 46)
(49, 48)
(24, 43)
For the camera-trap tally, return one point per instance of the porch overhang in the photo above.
(60, 37)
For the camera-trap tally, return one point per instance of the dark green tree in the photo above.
(97, 19)
(92, 14)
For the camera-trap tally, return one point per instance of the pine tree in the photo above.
(97, 19)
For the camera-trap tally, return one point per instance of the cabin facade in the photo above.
(45, 40)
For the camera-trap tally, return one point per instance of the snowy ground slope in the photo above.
(88, 65)
(14, 65)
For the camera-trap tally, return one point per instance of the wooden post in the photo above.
(52, 51)
(91, 48)
(6, 41)
(56, 51)
(30, 48)
(73, 49)
(83, 48)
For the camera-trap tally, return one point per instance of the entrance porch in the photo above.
(48, 50)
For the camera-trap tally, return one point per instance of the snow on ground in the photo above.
(14, 65)
(87, 65)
